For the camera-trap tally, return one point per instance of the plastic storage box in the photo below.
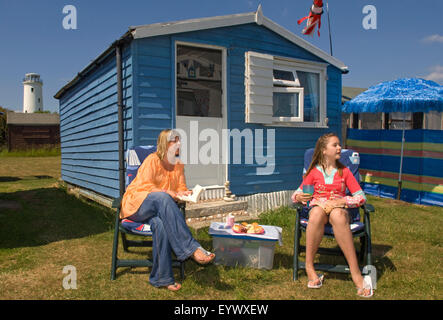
(254, 251)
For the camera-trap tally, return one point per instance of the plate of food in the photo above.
(248, 228)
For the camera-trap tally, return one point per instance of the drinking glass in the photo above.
(308, 188)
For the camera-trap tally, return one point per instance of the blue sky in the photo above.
(408, 41)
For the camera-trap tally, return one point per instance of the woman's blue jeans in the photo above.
(169, 231)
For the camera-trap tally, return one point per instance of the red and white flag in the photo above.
(314, 18)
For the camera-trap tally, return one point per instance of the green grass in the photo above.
(43, 229)
(41, 152)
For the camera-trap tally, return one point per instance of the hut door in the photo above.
(200, 113)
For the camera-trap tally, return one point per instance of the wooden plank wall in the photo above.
(22, 137)
(89, 127)
(153, 88)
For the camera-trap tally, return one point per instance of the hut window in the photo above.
(411, 120)
(400, 121)
(287, 97)
(309, 85)
(199, 82)
(284, 91)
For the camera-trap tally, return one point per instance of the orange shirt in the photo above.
(151, 175)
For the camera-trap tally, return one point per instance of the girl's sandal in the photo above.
(312, 285)
(367, 290)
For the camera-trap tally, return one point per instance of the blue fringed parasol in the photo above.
(402, 95)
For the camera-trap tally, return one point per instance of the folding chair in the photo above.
(134, 158)
(359, 229)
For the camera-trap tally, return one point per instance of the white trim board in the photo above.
(157, 29)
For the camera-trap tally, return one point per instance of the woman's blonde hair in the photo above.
(318, 158)
(162, 143)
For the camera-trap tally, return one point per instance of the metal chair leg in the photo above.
(296, 246)
(124, 242)
(368, 240)
(115, 249)
(182, 270)
(363, 249)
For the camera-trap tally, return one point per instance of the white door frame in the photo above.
(224, 146)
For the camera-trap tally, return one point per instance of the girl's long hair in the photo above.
(319, 159)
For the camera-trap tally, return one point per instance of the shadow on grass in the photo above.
(9, 179)
(379, 260)
(283, 260)
(207, 276)
(14, 179)
(48, 215)
(43, 177)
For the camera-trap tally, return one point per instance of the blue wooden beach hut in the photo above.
(260, 94)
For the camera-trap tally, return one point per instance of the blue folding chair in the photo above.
(134, 158)
(360, 229)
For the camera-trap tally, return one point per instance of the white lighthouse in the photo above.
(32, 93)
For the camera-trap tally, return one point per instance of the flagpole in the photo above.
(329, 26)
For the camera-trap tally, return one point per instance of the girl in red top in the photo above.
(328, 204)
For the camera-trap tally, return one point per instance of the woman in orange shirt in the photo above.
(150, 198)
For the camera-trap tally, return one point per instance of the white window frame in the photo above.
(260, 85)
(289, 90)
(294, 65)
(286, 83)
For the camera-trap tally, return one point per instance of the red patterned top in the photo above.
(333, 186)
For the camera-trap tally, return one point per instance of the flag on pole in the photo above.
(314, 18)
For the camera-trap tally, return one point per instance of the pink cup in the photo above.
(229, 221)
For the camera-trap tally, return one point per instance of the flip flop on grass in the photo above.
(312, 285)
(367, 290)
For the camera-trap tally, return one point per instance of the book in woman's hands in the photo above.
(195, 196)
